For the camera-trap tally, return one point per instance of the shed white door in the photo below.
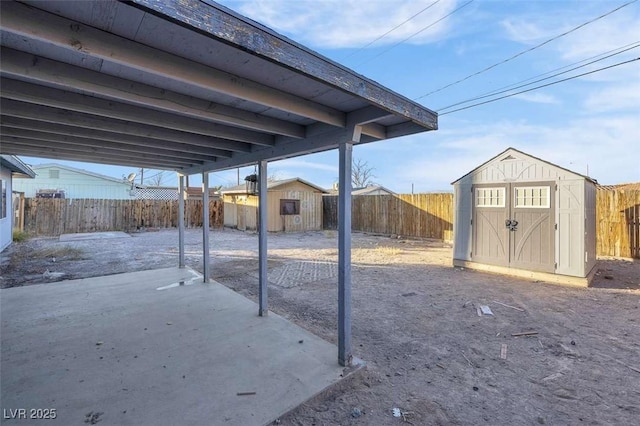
(532, 241)
(490, 236)
(513, 225)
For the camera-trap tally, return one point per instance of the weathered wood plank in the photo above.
(52, 217)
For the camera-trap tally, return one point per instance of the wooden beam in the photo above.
(43, 148)
(206, 255)
(37, 25)
(263, 220)
(12, 149)
(181, 195)
(345, 151)
(40, 95)
(287, 148)
(38, 70)
(54, 120)
(132, 148)
(222, 24)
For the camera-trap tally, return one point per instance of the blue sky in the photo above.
(587, 123)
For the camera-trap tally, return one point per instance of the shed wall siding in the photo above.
(521, 170)
(462, 222)
(575, 215)
(243, 212)
(590, 233)
(296, 186)
(570, 234)
(75, 185)
(230, 212)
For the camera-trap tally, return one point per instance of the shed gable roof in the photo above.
(273, 185)
(513, 154)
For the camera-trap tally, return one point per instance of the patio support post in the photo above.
(205, 227)
(345, 150)
(180, 221)
(262, 238)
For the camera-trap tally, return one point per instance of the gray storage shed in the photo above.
(520, 215)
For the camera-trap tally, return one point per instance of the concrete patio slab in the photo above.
(118, 350)
(93, 236)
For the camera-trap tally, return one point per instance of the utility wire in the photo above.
(519, 86)
(527, 50)
(391, 30)
(541, 86)
(416, 33)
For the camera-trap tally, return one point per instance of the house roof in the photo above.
(368, 189)
(242, 189)
(93, 81)
(75, 170)
(17, 167)
(513, 150)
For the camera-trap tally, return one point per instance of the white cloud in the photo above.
(608, 33)
(608, 147)
(350, 23)
(539, 98)
(615, 98)
(295, 163)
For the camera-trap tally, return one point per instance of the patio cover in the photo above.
(188, 86)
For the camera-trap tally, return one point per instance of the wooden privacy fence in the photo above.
(618, 223)
(431, 216)
(52, 217)
(419, 215)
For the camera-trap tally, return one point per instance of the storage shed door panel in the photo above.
(532, 240)
(490, 236)
(514, 225)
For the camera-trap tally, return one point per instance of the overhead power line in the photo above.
(519, 85)
(418, 32)
(541, 86)
(526, 50)
(391, 30)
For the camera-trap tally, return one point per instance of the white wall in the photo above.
(6, 231)
(76, 185)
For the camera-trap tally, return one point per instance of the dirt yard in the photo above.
(415, 324)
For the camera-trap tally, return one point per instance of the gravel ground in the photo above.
(415, 323)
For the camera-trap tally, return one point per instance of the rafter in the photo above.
(38, 70)
(39, 25)
(52, 117)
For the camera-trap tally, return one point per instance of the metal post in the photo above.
(344, 254)
(181, 221)
(262, 238)
(205, 227)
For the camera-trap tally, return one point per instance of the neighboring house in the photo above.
(10, 167)
(525, 216)
(372, 190)
(365, 190)
(294, 205)
(58, 181)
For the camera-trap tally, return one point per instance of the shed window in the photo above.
(289, 207)
(54, 174)
(490, 197)
(535, 197)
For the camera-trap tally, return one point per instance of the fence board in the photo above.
(618, 223)
(52, 217)
(412, 215)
